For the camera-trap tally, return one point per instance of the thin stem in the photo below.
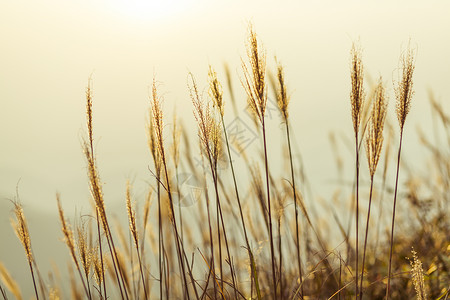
(101, 253)
(393, 218)
(34, 282)
(270, 211)
(115, 260)
(175, 228)
(213, 166)
(160, 239)
(3, 293)
(250, 254)
(142, 273)
(365, 239)
(297, 236)
(357, 213)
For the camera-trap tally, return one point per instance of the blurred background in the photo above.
(50, 48)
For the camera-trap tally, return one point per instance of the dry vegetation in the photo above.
(258, 239)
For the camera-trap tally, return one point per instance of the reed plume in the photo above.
(357, 95)
(374, 144)
(403, 93)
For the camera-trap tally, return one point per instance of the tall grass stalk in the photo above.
(153, 147)
(403, 93)
(158, 119)
(283, 102)
(211, 266)
(357, 103)
(97, 193)
(255, 86)
(216, 93)
(209, 132)
(374, 144)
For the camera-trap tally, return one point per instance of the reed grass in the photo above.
(258, 237)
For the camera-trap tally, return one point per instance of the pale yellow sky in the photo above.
(49, 49)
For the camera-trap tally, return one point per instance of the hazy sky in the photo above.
(49, 49)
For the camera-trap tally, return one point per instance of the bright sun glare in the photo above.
(147, 9)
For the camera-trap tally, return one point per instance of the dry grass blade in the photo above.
(9, 282)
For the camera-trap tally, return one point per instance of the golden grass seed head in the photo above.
(282, 97)
(21, 229)
(374, 138)
(153, 145)
(215, 90)
(131, 215)
(209, 128)
(404, 89)
(255, 76)
(158, 124)
(89, 111)
(357, 93)
(83, 249)
(67, 231)
(417, 277)
(97, 264)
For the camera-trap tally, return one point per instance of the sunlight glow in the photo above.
(148, 9)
